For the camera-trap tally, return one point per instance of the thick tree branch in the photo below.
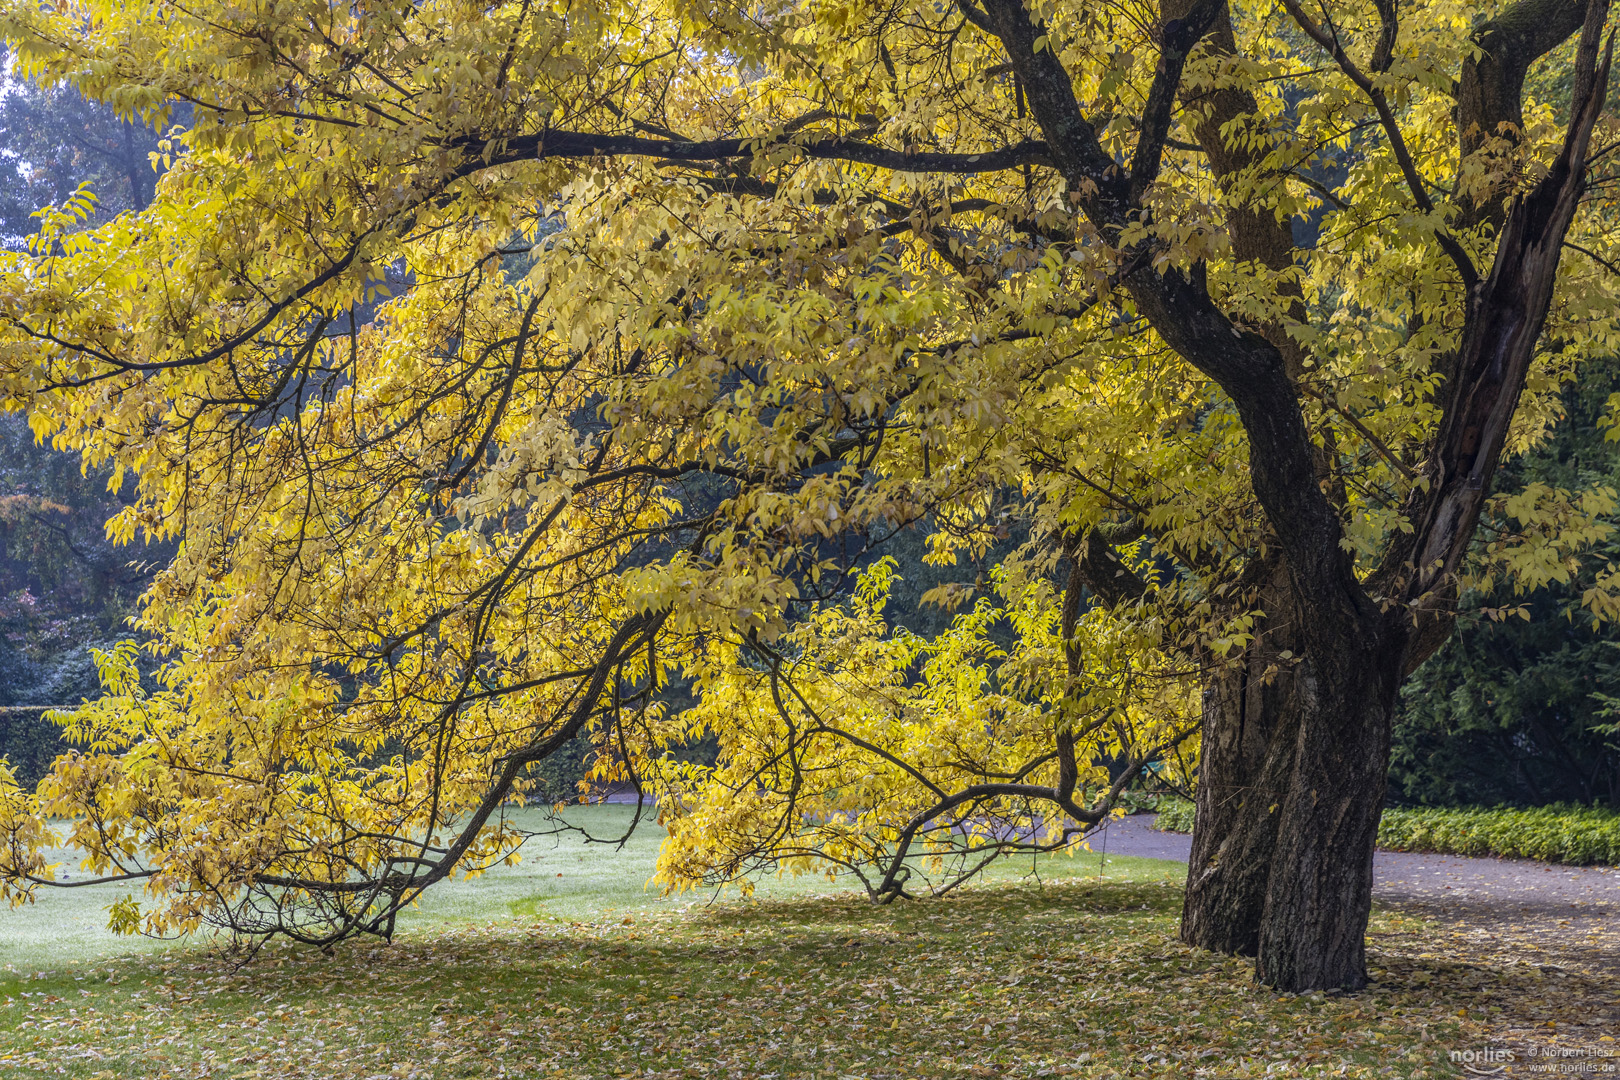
(1257, 234)
(1490, 90)
(1249, 368)
(1504, 323)
(1178, 38)
(1389, 27)
(584, 144)
(1071, 140)
(1282, 467)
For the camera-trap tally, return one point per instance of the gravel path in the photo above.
(1568, 914)
(1448, 886)
(1451, 882)
(1539, 943)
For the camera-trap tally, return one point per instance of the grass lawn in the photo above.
(566, 966)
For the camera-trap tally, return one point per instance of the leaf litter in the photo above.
(1072, 979)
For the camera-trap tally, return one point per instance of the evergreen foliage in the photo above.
(1518, 706)
(54, 139)
(65, 589)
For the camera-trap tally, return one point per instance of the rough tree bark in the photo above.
(1250, 731)
(1317, 880)
(1490, 90)
(1250, 715)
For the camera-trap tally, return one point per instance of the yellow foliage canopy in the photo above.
(499, 363)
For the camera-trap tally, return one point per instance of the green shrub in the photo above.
(1175, 815)
(1562, 833)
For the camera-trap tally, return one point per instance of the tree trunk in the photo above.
(1290, 789)
(1251, 724)
(1319, 874)
(1317, 863)
(1319, 888)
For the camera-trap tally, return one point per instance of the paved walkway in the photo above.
(1570, 913)
(1569, 906)
(1449, 881)
(1460, 886)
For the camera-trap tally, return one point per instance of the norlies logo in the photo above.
(1493, 1059)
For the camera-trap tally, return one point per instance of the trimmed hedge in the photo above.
(1562, 833)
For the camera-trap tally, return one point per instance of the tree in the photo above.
(53, 140)
(1516, 707)
(1511, 712)
(64, 589)
(694, 306)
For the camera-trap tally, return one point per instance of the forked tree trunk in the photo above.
(1290, 790)
(1317, 859)
(1329, 719)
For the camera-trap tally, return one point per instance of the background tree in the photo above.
(53, 139)
(64, 589)
(879, 264)
(1516, 706)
